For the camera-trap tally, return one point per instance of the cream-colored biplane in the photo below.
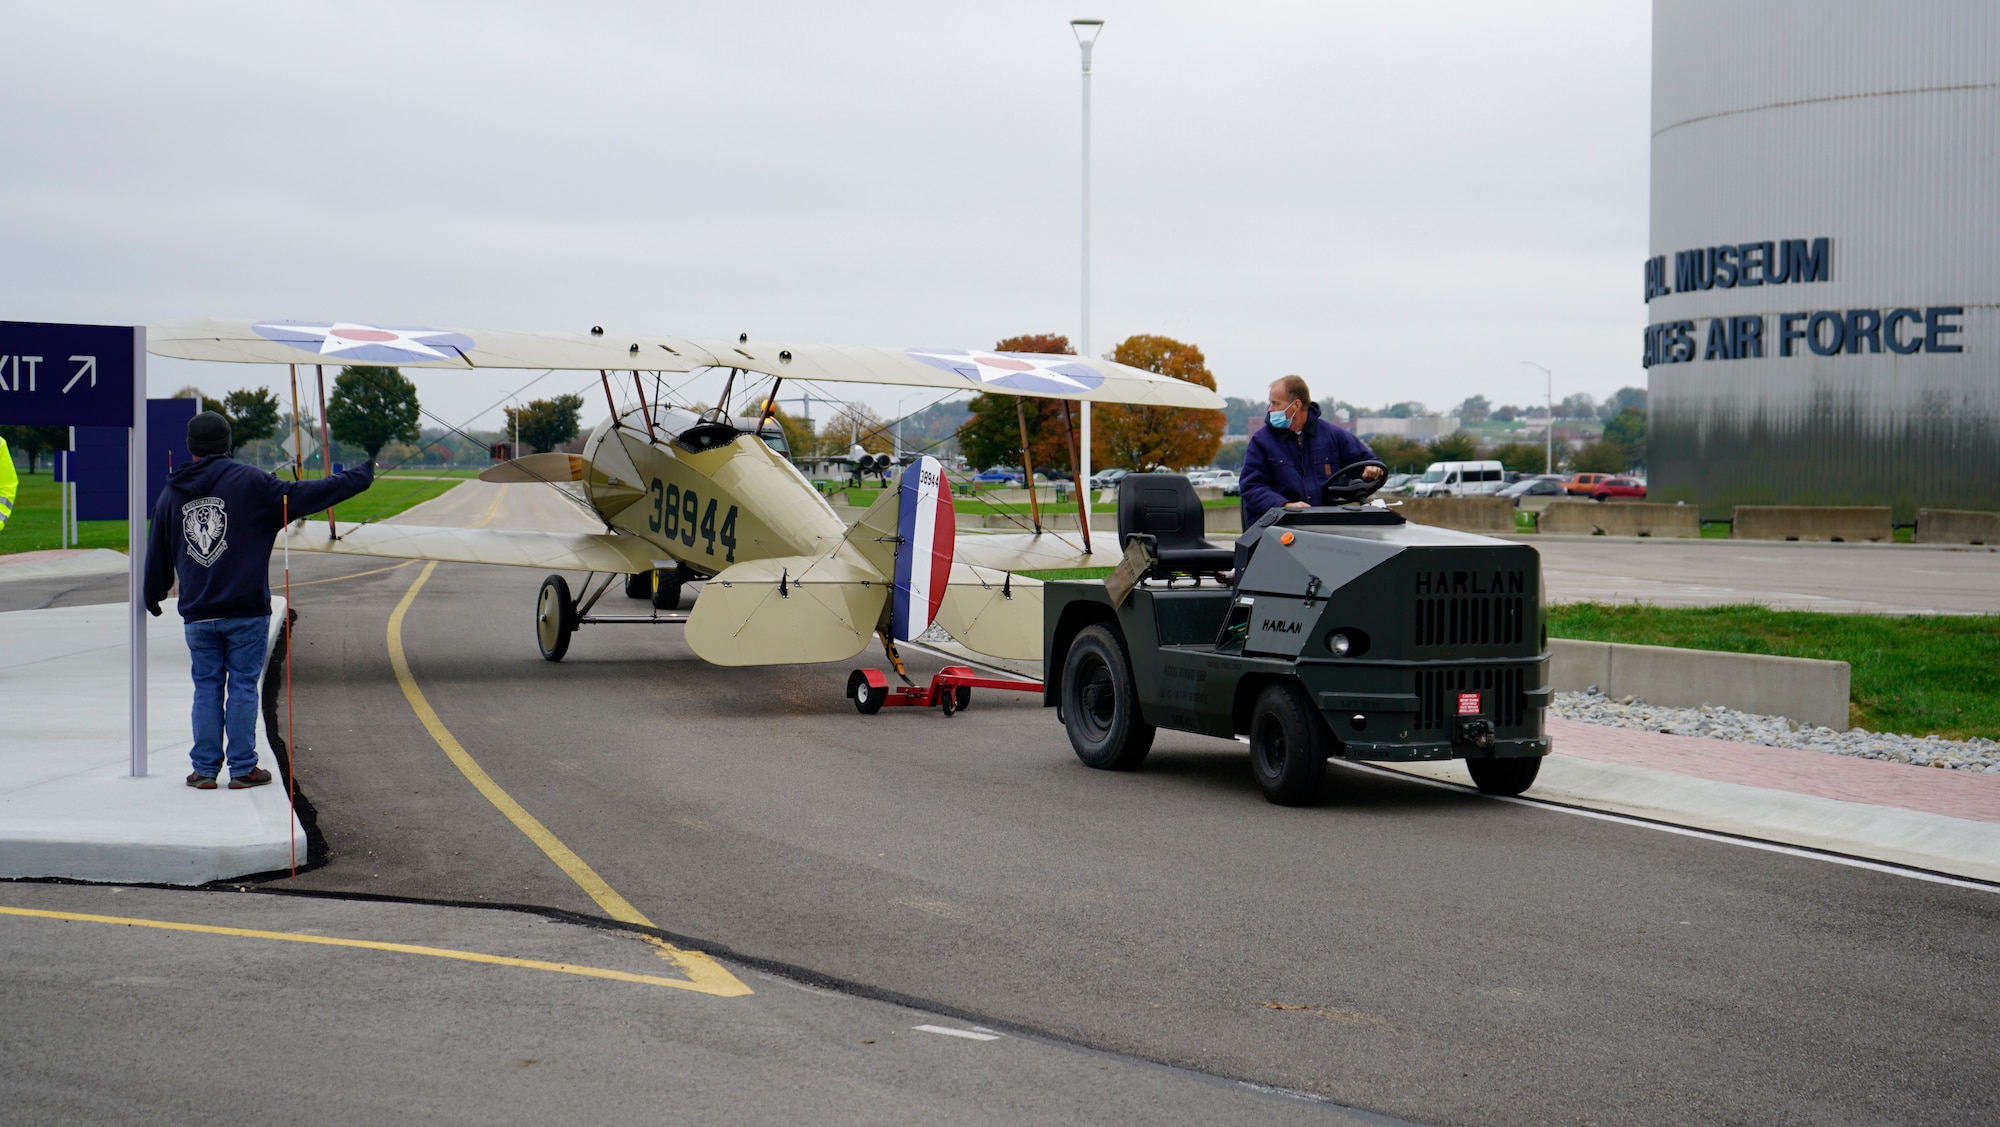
(705, 496)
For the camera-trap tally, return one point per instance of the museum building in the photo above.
(1825, 254)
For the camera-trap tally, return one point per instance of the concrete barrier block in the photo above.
(1850, 523)
(1591, 518)
(1803, 689)
(1957, 526)
(1467, 514)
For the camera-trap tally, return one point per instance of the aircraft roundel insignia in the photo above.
(1013, 371)
(925, 529)
(348, 341)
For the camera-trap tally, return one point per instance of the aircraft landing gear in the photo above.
(662, 586)
(555, 618)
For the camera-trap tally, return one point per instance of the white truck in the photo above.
(1460, 479)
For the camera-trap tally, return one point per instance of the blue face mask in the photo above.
(1278, 420)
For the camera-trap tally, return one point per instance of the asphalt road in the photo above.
(1423, 953)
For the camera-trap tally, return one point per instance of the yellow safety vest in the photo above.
(10, 483)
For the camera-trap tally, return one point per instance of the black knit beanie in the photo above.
(208, 433)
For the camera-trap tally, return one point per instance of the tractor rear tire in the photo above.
(667, 589)
(1288, 745)
(1507, 777)
(639, 586)
(1101, 702)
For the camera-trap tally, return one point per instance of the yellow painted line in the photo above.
(704, 974)
(366, 944)
(356, 575)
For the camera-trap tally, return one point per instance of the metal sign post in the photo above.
(90, 375)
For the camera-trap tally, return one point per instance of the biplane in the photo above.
(701, 494)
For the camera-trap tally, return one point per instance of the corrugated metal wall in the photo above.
(1874, 124)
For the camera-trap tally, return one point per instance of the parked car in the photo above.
(1533, 487)
(996, 475)
(1585, 484)
(1109, 479)
(1618, 487)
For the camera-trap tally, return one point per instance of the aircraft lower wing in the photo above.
(1025, 551)
(551, 551)
(785, 610)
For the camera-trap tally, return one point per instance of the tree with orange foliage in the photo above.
(1138, 438)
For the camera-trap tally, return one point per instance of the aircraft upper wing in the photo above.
(342, 342)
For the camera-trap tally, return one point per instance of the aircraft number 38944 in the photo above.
(678, 514)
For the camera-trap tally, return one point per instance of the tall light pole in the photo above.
(1086, 32)
(1549, 431)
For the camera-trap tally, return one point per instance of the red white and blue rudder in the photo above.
(924, 531)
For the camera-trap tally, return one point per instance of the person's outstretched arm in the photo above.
(309, 497)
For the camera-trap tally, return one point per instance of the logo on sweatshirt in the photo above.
(204, 522)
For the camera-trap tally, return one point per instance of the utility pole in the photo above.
(1086, 32)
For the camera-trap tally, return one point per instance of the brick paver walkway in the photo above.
(1959, 794)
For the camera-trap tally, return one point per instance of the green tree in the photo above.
(1579, 406)
(1457, 446)
(1623, 398)
(372, 407)
(1475, 409)
(1408, 409)
(1521, 457)
(32, 441)
(545, 424)
(1400, 454)
(799, 436)
(252, 413)
(1628, 430)
(1138, 437)
(1599, 457)
(856, 423)
(1506, 414)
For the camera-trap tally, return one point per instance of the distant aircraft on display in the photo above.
(691, 495)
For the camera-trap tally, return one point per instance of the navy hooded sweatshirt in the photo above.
(1284, 465)
(214, 525)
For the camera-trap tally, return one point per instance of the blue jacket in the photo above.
(213, 527)
(1283, 465)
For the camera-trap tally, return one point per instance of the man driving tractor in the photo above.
(1293, 457)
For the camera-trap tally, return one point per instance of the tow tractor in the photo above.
(1336, 631)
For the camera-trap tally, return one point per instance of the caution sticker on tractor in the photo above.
(1468, 704)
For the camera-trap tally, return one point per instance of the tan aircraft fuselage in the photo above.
(705, 508)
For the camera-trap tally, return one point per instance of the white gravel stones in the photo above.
(1592, 707)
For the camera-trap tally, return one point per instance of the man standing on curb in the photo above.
(212, 529)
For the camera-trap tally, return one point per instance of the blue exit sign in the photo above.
(68, 375)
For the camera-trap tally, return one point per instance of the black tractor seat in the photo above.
(1163, 508)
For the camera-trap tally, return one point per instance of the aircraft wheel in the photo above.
(961, 697)
(1101, 702)
(639, 586)
(867, 698)
(555, 618)
(1504, 776)
(667, 589)
(1288, 746)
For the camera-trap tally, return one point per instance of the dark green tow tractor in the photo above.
(1346, 631)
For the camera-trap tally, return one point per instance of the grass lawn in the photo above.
(1915, 675)
(426, 471)
(1070, 573)
(36, 524)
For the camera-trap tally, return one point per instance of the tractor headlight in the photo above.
(1338, 644)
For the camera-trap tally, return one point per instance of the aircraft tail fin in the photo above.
(908, 534)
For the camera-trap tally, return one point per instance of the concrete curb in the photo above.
(1935, 842)
(68, 808)
(60, 563)
(1803, 689)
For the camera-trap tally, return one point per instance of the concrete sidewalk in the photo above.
(1927, 818)
(68, 806)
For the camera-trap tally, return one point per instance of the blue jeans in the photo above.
(231, 649)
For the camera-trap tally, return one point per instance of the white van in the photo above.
(1460, 479)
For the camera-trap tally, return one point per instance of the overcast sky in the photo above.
(1396, 201)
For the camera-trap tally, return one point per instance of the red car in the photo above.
(1618, 487)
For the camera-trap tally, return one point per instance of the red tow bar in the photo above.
(950, 689)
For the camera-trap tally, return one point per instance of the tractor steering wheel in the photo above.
(1338, 492)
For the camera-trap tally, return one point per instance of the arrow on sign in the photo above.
(88, 367)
